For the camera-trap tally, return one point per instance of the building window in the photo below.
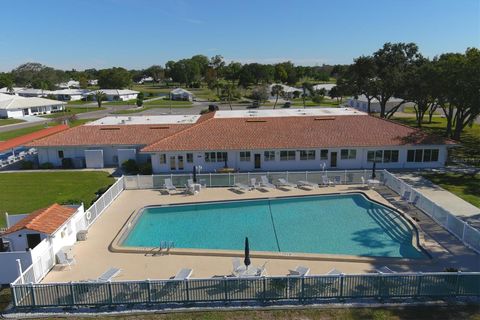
(287, 155)
(60, 154)
(422, 155)
(216, 156)
(269, 155)
(348, 154)
(382, 156)
(163, 158)
(307, 154)
(324, 154)
(244, 155)
(189, 157)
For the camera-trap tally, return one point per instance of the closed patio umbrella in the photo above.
(194, 174)
(247, 253)
(373, 170)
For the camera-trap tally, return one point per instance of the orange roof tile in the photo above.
(293, 132)
(27, 138)
(46, 220)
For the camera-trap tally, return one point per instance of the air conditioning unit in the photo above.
(82, 235)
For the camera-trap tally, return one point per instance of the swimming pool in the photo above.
(347, 224)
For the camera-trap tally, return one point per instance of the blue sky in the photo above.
(138, 33)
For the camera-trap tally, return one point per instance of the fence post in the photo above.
(149, 291)
(302, 288)
(463, 230)
(138, 181)
(14, 295)
(225, 297)
(187, 290)
(457, 283)
(32, 292)
(286, 176)
(264, 283)
(110, 291)
(345, 177)
(342, 276)
(210, 175)
(306, 175)
(20, 271)
(72, 293)
(419, 283)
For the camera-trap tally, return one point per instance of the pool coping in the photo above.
(417, 239)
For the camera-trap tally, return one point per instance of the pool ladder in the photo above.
(166, 245)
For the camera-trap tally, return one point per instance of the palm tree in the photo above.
(10, 87)
(277, 90)
(227, 93)
(99, 96)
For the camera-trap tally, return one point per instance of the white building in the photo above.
(42, 233)
(70, 94)
(145, 80)
(69, 84)
(116, 94)
(13, 106)
(92, 82)
(288, 92)
(361, 103)
(15, 90)
(253, 140)
(326, 86)
(181, 94)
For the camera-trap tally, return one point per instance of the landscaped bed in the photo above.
(24, 192)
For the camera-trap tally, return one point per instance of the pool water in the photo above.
(329, 224)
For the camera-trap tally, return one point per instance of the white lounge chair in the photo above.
(337, 180)
(237, 266)
(64, 261)
(264, 183)
(252, 271)
(189, 187)
(326, 182)
(284, 183)
(334, 272)
(168, 185)
(242, 187)
(109, 275)
(299, 271)
(304, 183)
(385, 270)
(253, 183)
(183, 274)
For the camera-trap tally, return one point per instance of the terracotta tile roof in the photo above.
(25, 139)
(110, 135)
(46, 220)
(292, 133)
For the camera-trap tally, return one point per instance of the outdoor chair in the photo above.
(108, 275)
(242, 187)
(253, 183)
(237, 266)
(326, 182)
(304, 183)
(334, 272)
(63, 260)
(299, 271)
(284, 183)
(183, 274)
(264, 183)
(384, 270)
(168, 185)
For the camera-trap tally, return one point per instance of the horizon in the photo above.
(136, 35)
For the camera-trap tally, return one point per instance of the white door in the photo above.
(94, 159)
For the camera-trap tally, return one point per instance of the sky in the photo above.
(81, 34)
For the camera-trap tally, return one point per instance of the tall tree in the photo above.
(156, 72)
(359, 79)
(277, 90)
(99, 96)
(114, 78)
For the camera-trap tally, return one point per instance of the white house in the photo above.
(361, 103)
(70, 94)
(116, 94)
(288, 92)
(181, 94)
(13, 106)
(43, 233)
(145, 80)
(249, 140)
(92, 82)
(69, 84)
(326, 86)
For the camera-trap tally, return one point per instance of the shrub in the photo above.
(317, 98)
(145, 168)
(71, 201)
(130, 167)
(27, 165)
(46, 165)
(67, 163)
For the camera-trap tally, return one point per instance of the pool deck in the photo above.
(93, 257)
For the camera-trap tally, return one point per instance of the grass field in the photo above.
(72, 111)
(166, 103)
(78, 102)
(4, 122)
(466, 186)
(24, 192)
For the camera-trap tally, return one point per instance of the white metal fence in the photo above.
(229, 179)
(459, 228)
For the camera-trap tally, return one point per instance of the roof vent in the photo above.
(255, 120)
(110, 128)
(159, 127)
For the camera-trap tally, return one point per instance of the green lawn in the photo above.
(120, 102)
(167, 103)
(24, 192)
(466, 186)
(4, 122)
(151, 88)
(470, 141)
(72, 111)
(78, 102)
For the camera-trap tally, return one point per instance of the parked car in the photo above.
(255, 104)
(212, 107)
(287, 104)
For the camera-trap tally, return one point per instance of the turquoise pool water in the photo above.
(330, 224)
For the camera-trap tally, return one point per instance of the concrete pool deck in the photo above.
(93, 256)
